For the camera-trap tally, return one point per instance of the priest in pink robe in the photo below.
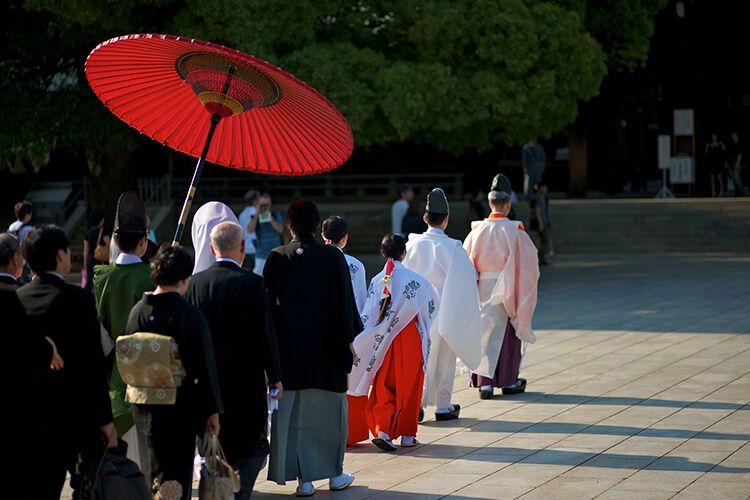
(507, 269)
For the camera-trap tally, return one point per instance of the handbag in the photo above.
(219, 481)
(115, 477)
(101, 253)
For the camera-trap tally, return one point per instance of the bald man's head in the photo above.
(226, 237)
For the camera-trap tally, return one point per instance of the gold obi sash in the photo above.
(150, 365)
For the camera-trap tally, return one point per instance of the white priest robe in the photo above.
(412, 296)
(506, 260)
(456, 329)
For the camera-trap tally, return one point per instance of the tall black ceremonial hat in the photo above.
(437, 203)
(131, 214)
(501, 183)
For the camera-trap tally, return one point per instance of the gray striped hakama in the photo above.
(308, 436)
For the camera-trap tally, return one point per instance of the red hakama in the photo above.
(393, 404)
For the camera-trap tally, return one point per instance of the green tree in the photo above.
(459, 76)
(44, 92)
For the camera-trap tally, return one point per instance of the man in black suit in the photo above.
(69, 408)
(11, 262)
(235, 305)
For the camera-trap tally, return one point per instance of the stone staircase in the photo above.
(689, 225)
(651, 225)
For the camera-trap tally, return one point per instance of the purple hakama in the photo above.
(506, 373)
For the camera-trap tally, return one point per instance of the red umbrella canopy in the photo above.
(169, 87)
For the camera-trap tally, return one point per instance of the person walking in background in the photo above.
(506, 260)
(69, 409)
(94, 236)
(315, 318)
(735, 164)
(392, 352)
(539, 222)
(267, 226)
(534, 160)
(20, 228)
(235, 304)
(400, 207)
(252, 201)
(336, 233)
(716, 158)
(413, 222)
(455, 333)
(167, 432)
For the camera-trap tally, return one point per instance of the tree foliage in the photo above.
(458, 75)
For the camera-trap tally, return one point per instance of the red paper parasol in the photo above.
(183, 92)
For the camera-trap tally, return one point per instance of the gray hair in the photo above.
(227, 236)
(498, 198)
(8, 248)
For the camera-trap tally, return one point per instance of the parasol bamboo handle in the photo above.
(194, 183)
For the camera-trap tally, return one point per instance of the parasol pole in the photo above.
(215, 118)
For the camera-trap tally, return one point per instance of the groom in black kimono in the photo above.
(235, 305)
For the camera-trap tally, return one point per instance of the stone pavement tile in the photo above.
(702, 461)
(647, 445)
(738, 422)
(654, 480)
(402, 495)
(725, 490)
(570, 488)
(499, 453)
(438, 483)
(393, 473)
(558, 456)
(510, 482)
(589, 441)
(620, 494)
(475, 464)
(713, 442)
(699, 417)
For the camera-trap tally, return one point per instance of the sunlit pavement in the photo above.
(639, 384)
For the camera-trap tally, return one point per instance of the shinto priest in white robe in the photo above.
(412, 296)
(456, 329)
(507, 263)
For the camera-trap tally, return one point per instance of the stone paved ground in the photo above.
(639, 386)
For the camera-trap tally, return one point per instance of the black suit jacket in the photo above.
(8, 283)
(235, 305)
(314, 313)
(72, 403)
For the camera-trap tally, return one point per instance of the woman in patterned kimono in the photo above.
(391, 352)
(166, 432)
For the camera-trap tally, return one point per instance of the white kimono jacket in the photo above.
(507, 263)
(412, 296)
(444, 262)
(359, 281)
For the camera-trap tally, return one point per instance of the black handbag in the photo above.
(115, 477)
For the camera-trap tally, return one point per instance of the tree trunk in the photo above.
(110, 176)
(578, 156)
